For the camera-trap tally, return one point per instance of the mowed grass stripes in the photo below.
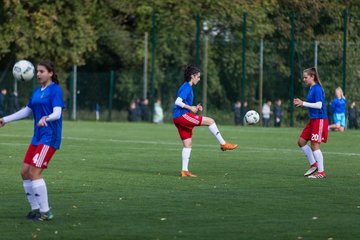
(121, 181)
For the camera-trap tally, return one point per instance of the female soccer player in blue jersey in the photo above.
(338, 108)
(46, 104)
(185, 118)
(316, 130)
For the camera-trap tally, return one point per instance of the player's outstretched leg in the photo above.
(224, 146)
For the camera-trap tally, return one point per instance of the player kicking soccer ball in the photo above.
(185, 118)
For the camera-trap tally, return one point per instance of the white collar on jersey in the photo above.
(43, 88)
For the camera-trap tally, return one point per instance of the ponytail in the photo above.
(313, 72)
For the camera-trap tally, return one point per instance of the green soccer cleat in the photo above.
(47, 216)
(33, 214)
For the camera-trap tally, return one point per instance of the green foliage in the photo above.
(57, 30)
(109, 35)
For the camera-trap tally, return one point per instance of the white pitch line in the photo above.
(244, 148)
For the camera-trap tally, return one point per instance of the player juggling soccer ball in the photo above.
(185, 118)
(46, 104)
(316, 130)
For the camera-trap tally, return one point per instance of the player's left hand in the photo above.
(199, 107)
(42, 122)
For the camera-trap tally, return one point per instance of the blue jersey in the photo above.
(42, 103)
(316, 94)
(186, 94)
(338, 105)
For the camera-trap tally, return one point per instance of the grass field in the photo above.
(121, 181)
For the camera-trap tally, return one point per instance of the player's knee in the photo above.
(188, 145)
(24, 174)
(33, 174)
(301, 142)
(211, 121)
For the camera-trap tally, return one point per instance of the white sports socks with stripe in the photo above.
(40, 191)
(215, 131)
(309, 154)
(319, 159)
(30, 195)
(185, 155)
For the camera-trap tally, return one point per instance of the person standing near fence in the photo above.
(266, 111)
(237, 113)
(277, 113)
(338, 108)
(46, 104)
(144, 108)
(352, 116)
(316, 130)
(13, 103)
(2, 102)
(158, 112)
(97, 112)
(185, 118)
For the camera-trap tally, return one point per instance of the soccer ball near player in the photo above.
(252, 117)
(23, 70)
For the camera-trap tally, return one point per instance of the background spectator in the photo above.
(266, 111)
(145, 114)
(237, 113)
(158, 112)
(277, 113)
(132, 112)
(14, 103)
(352, 116)
(2, 102)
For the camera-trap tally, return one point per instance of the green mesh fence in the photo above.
(224, 76)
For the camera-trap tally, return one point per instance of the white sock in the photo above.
(30, 194)
(40, 190)
(320, 160)
(215, 131)
(309, 154)
(185, 155)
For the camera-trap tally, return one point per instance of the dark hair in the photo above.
(51, 68)
(313, 72)
(189, 71)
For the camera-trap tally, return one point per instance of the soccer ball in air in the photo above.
(252, 117)
(23, 70)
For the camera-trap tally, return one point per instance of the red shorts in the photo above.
(39, 156)
(316, 130)
(186, 123)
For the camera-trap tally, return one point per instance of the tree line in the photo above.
(105, 35)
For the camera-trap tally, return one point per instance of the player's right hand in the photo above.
(194, 109)
(2, 122)
(298, 102)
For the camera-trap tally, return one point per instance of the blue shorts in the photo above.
(339, 118)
